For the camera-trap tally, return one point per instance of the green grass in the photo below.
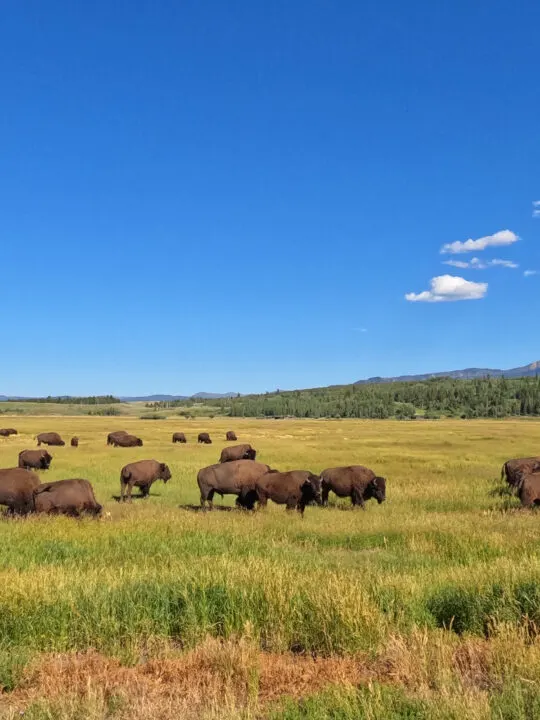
(442, 556)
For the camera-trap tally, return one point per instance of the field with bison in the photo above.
(425, 606)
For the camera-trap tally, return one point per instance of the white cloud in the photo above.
(360, 329)
(477, 264)
(528, 273)
(503, 237)
(448, 288)
(536, 208)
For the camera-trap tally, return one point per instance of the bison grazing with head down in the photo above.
(513, 470)
(233, 478)
(142, 474)
(66, 497)
(231, 436)
(112, 435)
(179, 437)
(35, 459)
(238, 452)
(50, 438)
(529, 490)
(204, 438)
(295, 489)
(17, 487)
(355, 481)
(127, 441)
(74, 442)
(6, 432)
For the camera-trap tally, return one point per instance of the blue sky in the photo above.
(240, 195)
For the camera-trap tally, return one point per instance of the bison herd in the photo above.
(237, 473)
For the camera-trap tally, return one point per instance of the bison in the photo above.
(231, 436)
(6, 432)
(237, 452)
(529, 490)
(354, 481)
(179, 437)
(142, 474)
(17, 487)
(127, 441)
(295, 489)
(66, 497)
(74, 442)
(35, 459)
(111, 436)
(233, 478)
(513, 470)
(50, 438)
(204, 438)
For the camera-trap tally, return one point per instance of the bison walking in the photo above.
(237, 452)
(233, 478)
(66, 497)
(35, 459)
(17, 487)
(142, 474)
(6, 432)
(354, 481)
(50, 438)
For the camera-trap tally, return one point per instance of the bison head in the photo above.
(311, 489)
(377, 489)
(139, 442)
(250, 454)
(164, 472)
(45, 460)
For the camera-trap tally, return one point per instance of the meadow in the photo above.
(427, 606)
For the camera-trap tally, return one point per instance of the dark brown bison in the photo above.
(204, 438)
(17, 487)
(127, 441)
(354, 481)
(6, 432)
(50, 438)
(295, 489)
(35, 459)
(231, 436)
(74, 442)
(117, 433)
(238, 452)
(66, 497)
(232, 478)
(513, 470)
(529, 490)
(142, 474)
(179, 437)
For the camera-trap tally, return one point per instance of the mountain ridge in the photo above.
(529, 370)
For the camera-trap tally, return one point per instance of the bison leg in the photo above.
(324, 495)
(145, 491)
(210, 499)
(357, 499)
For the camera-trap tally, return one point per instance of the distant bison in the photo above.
(179, 437)
(204, 438)
(529, 490)
(6, 432)
(142, 474)
(231, 435)
(50, 438)
(232, 478)
(127, 441)
(295, 489)
(17, 487)
(513, 470)
(35, 459)
(238, 452)
(354, 481)
(117, 433)
(66, 497)
(74, 442)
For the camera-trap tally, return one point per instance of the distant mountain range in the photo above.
(171, 398)
(467, 374)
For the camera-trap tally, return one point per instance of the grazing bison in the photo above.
(295, 489)
(126, 441)
(238, 452)
(513, 470)
(232, 478)
(529, 489)
(66, 497)
(231, 436)
(74, 442)
(142, 474)
(35, 459)
(204, 438)
(355, 481)
(17, 487)
(179, 437)
(50, 438)
(111, 436)
(6, 432)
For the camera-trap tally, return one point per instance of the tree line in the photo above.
(433, 398)
(68, 400)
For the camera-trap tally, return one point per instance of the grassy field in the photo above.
(427, 606)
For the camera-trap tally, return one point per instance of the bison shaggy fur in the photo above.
(354, 481)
